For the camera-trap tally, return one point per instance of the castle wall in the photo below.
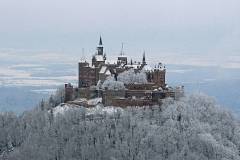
(109, 95)
(138, 94)
(131, 102)
(86, 76)
(175, 93)
(86, 93)
(147, 86)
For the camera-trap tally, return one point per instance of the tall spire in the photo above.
(100, 47)
(100, 41)
(122, 53)
(83, 59)
(144, 58)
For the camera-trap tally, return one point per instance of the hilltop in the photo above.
(194, 127)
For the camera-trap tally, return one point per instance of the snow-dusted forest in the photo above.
(194, 128)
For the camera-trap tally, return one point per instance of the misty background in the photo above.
(42, 41)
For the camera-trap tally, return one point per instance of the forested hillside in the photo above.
(194, 128)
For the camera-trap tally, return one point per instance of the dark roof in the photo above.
(100, 41)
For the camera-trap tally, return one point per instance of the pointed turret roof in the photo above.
(144, 58)
(100, 41)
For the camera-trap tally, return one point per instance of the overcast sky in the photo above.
(206, 28)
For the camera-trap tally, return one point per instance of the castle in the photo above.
(92, 76)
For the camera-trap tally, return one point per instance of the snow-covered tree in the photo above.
(111, 84)
(193, 128)
(131, 76)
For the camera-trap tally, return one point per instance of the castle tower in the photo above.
(99, 58)
(82, 65)
(68, 92)
(100, 47)
(158, 75)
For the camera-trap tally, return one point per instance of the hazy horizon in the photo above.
(208, 31)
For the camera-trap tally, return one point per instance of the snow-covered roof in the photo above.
(99, 57)
(122, 56)
(108, 73)
(122, 65)
(82, 60)
(111, 61)
(94, 101)
(103, 69)
(159, 66)
(135, 66)
(147, 68)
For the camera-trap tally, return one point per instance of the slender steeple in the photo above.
(100, 41)
(83, 59)
(122, 59)
(122, 53)
(100, 47)
(144, 59)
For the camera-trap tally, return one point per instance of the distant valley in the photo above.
(22, 86)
